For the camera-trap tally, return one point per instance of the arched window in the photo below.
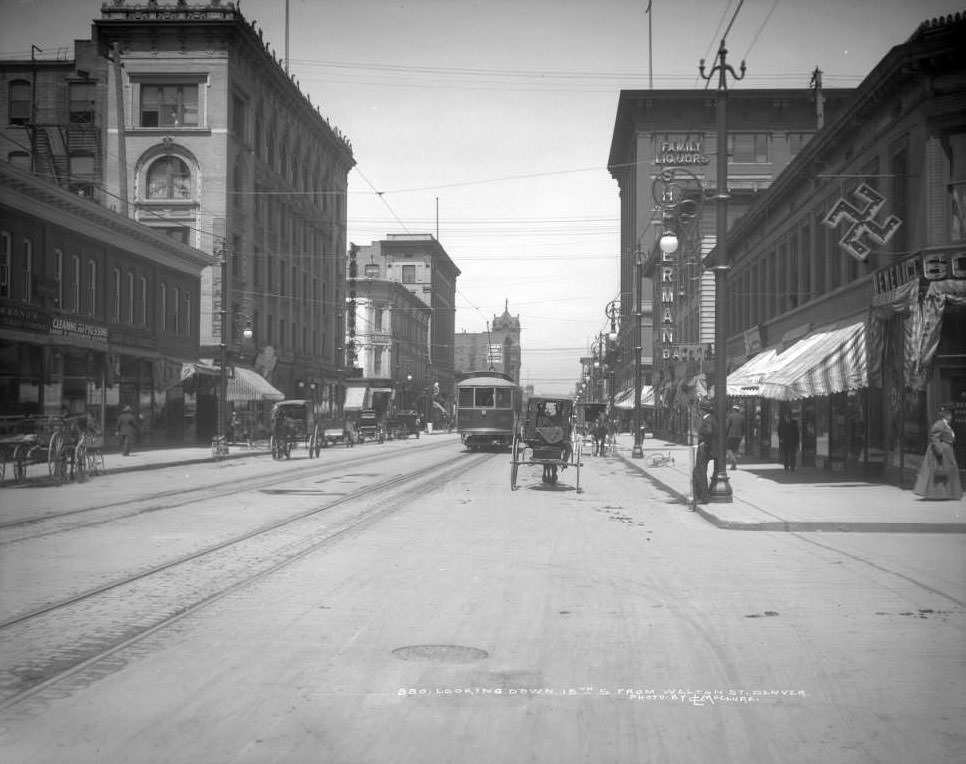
(169, 178)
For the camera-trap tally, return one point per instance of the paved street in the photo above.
(445, 618)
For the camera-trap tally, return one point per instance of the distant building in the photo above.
(497, 349)
(420, 264)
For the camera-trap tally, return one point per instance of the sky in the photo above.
(488, 123)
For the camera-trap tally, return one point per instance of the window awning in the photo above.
(626, 399)
(745, 381)
(189, 370)
(355, 398)
(249, 385)
(828, 361)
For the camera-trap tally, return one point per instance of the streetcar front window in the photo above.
(484, 397)
(466, 397)
(504, 398)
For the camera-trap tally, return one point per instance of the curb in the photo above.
(798, 526)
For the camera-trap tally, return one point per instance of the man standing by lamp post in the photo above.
(720, 491)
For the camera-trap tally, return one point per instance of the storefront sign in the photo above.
(129, 339)
(681, 153)
(860, 218)
(24, 319)
(90, 334)
(667, 304)
(931, 266)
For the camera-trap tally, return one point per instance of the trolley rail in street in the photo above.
(184, 585)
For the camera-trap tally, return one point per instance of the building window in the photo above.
(955, 147)
(409, 274)
(81, 104)
(163, 298)
(239, 110)
(130, 298)
(5, 264)
(169, 105)
(59, 277)
(269, 330)
(116, 301)
(82, 175)
(19, 159)
(176, 315)
(91, 287)
(372, 270)
(281, 332)
(143, 300)
(187, 314)
(28, 270)
(75, 284)
(19, 100)
(169, 178)
(796, 141)
(748, 148)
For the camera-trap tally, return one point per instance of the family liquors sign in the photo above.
(681, 153)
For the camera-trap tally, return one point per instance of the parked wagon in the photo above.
(370, 427)
(59, 442)
(294, 423)
(546, 439)
(337, 432)
(402, 424)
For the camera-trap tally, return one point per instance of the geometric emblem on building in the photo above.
(862, 222)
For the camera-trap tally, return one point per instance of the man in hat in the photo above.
(127, 427)
(734, 431)
(699, 477)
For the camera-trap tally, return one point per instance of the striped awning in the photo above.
(626, 399)
(825, 362)
(745, 381)
(249, 385)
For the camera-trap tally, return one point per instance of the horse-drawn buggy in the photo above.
(402, 424)
(63, 443)
(546, 439)
(369, 426)
(294, 423)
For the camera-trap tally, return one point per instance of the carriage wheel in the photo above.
(80, 461)
(57, 458)
(515, 463)
(576, 458)
(312, 447)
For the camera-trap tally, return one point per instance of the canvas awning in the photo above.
(825, 362)
(355, 399)
(831, 360)
(189, 370)
(249, 385)
(745, 381)
(626, 399)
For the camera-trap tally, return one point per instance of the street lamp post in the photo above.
(221, 448)
(720, 490)
(613, 312)
(638, 451)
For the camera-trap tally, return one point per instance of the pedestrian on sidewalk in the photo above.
(600, 435)
(734, 431)
(699, 477)
(127, 428)
(788, 440)
(938, 476)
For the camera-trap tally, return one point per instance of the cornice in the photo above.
(21, 190)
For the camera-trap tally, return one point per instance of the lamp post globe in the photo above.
(668, 243)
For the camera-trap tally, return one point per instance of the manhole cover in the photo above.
(440, 653)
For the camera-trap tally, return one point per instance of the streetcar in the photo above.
(487, 409)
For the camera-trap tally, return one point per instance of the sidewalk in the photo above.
(157, 458)
(766, 498)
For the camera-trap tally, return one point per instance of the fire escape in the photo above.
(69, 155)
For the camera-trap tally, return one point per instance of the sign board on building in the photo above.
(861, 222)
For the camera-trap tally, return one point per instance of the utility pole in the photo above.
(121, 137)
(816, 83)
(720, 486)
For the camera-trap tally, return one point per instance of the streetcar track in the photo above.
(191, 496)
(129, 634)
